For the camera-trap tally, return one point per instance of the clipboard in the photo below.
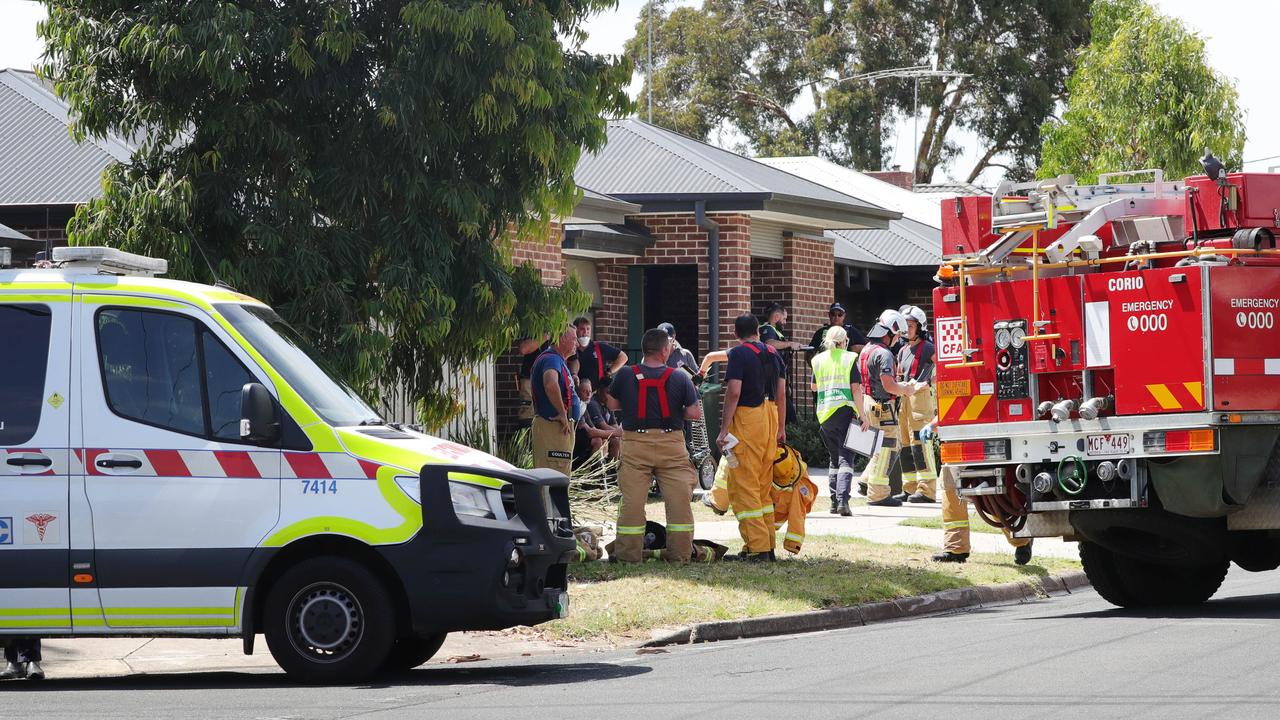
(863, 442)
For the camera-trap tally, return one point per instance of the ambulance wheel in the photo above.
(707, 472)
(328, 619)
(410, 652)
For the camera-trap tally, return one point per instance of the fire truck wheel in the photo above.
(1099, 564)
(410, 652)
(329, 619)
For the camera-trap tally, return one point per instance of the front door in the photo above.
(179, 502)
(35, 462)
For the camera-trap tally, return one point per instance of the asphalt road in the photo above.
(1068, 657)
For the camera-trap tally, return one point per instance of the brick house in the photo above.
(652, 265)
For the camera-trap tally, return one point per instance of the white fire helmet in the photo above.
(914, 313)
(895, 321)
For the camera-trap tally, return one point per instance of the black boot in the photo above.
(950, 557)
(891, 501)
(843, 510)
(1022, 555)
(835, 505)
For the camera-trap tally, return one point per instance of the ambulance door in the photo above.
(35, 462)
(179, 502)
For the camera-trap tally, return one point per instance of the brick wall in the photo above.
(544, 255)
(679, 241)
(900, 178)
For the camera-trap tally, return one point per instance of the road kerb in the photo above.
(868, 613)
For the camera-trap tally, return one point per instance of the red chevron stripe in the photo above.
(308, 465)
(236, 463)
(167, 463)
(370, 469)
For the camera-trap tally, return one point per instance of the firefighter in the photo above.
(655, 401)
(754, 380)
(915, 363)
(834, 377)
(877, 376)
(529, 350)
(555, 405)
(597, 361)
(955, 517)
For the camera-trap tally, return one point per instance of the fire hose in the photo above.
(1007, 511)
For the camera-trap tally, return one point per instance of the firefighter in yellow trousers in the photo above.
(877, 377)
(955, 517)
(753, 414)
(915, 364)
(655, 401)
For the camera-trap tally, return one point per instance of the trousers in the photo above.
(876, 475)
(750, 483)
(552, 448)
(917, 411)
(839, 458)
(955, 516)
(645, 454)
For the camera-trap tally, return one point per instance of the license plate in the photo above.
(1109, 444)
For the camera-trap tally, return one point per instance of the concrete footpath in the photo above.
(108, 657)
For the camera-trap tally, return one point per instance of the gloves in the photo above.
(927, 433)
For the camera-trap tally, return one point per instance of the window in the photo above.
(169, 371)
(23, 365)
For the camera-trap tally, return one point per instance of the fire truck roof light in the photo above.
(108, 261)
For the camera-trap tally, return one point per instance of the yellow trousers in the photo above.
(645, 454)
(876, 476)
(917, 411)
(955, 516)
(552, 447)
(749, 484)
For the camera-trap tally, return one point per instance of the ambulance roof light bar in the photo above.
(108, 261)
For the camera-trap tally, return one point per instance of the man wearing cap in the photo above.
(655, 401)
(680, 357)
(877, 376)
(754, 380)
(836, 316)
(555, 405)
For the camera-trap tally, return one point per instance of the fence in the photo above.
(473, 386)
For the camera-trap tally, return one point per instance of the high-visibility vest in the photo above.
(831, 371)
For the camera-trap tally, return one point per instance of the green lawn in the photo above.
(609, 601)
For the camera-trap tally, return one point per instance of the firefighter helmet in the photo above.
(895, 321)
(913, 312)
(788, 467)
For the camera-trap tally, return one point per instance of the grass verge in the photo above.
(625, 602)
(976, 524)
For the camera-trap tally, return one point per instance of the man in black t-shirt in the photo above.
(655, 401)
(597, 361)
(836, 316)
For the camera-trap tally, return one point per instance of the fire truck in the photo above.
(1109, 372)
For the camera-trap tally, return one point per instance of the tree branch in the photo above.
(769, 105)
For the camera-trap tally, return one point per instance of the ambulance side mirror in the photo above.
(258, 423)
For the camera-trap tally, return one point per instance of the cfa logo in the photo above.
(6, 531)
(1124, 283)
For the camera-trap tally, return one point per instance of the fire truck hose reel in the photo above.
(1072, 475)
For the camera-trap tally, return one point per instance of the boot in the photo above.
(919, 497)
(843, 510)
(891, 501)
(13, 671)
(1022, 555)
(901, 497)
(706, 500)
(835, 505)
(862, 489)
(950, 557)
(34, 671)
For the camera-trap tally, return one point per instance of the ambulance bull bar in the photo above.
(477, 573)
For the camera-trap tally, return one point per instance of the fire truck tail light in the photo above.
(958, 453)
(1180, 441)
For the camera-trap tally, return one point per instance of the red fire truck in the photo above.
(1109, 372)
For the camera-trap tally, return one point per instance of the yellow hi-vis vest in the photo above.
(831, 371)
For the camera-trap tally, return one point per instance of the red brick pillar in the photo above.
(546, 257)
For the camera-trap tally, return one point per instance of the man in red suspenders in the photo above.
(655, 401)
(597, 361)
(915, 364)
(556, 407)
(878, 376)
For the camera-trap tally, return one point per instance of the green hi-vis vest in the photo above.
(831, 370)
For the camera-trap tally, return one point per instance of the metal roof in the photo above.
(596, 207)
(905, 243)
(951, 189)
(860, 185)
(40, 164)
(650, 165)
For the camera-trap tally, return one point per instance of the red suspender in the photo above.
(915, 359)
(568, 383)
(863, 359)
(595, 348)
(646, 384)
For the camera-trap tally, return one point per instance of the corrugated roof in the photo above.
(905, 243)
(951, 189)
(39, 162)
(644, 160)
(860, 185)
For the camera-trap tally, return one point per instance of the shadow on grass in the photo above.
(523, 675)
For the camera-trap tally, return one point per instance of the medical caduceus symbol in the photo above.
(41, 521)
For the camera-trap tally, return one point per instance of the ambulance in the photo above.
(174, 463)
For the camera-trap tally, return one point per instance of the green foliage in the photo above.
(360, 166)
(806, 437)
(1143, 96)
(766, 69)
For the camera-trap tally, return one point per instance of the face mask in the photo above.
(584, 341)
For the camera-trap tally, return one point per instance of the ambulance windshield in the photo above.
(291, 356)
